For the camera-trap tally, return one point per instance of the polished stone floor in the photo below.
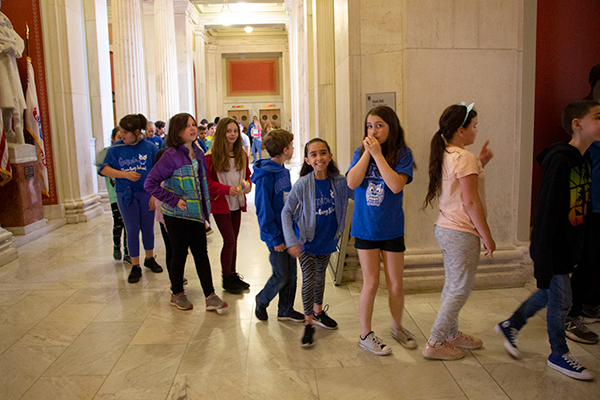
(71, 327)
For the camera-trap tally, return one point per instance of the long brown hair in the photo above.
(395, 143)
(452, 118)
(220, 147)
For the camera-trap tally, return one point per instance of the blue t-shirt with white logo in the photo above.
(378, 213)
(324, 241)
(157, 141)
(124, 157)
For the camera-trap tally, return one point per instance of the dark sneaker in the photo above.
(590, 314)
(127, 259)
(153, 265)
(324, 320)
(374, 345)
(135, 274)
(307, 339)
(117, 253)
(238, 279)
(570, 366)
(181, 301)
(294, 316)
(509, 334)
(578, 332)
(231, 286)
(261, 312)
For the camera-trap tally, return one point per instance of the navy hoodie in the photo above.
(272, 184)
(563, 203)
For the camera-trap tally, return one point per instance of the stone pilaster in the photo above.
(167, 97)
(184, 48)
(200, 68)
(69, 101)
(128, 51)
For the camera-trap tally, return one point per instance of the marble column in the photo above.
(167, 97)
(299, 75)
(200, 68)
(324, 71)
(213, 84)
(70, 108)
(128, 51)
(184, 49)
(8, 252)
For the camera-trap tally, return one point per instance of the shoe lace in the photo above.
(580, 325)
(377, 341)
(324, 310)
(512, 334)
(572, 361)
(465, 336)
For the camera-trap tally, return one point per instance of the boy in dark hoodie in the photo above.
(272, 185)
(558, 235)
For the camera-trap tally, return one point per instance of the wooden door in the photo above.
(273, 116)
(240, 115)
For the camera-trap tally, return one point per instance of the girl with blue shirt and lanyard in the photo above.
(129, 161)
(378, 172)
(313, 218)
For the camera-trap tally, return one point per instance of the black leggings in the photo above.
(184, 234)
(118, 227)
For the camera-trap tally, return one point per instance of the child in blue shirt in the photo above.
(378, 172)
(273, 184)
(313, 218)
(152, 137)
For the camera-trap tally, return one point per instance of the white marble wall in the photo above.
(434, 53)
(184, 48)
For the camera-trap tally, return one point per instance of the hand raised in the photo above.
(486, 154)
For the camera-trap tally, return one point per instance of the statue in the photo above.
(12, 100)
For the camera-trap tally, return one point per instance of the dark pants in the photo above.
(184, 234)
(168, 250)
(585, 280)
(118, 227)
(283, 281)
(229, 226)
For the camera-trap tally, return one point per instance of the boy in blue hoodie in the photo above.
(272, 185)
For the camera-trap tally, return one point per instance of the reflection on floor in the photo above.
(71, 327)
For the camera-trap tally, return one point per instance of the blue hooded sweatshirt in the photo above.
(272, 185)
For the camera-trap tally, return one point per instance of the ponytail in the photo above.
(133, 122)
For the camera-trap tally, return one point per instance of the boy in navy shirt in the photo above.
(273, 184)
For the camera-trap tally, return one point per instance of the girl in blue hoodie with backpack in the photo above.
(313, 218)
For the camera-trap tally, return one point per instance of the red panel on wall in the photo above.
(247, 77)
(567, 48)
(20, 13)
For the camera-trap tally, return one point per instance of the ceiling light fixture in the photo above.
(248, 29)
(226, 15)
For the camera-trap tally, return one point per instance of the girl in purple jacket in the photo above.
(185, 208)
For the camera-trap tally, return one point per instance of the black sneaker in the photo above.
(153, 265)
(230, 285)
(261, 312)
(117, 253)
(578, 332)
(307, 339)
(294, 316)
(135, 274)
(324, 320)
(127, 259)
(238, 279)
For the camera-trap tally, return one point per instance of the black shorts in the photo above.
(395, 245)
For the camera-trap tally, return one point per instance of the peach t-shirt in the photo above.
(458, 163)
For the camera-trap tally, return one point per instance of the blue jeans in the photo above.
(283, 281)
(558, 300)
(257, 146)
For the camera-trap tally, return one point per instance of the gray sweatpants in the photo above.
(461, 257)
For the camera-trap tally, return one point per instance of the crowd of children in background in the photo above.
(206, 170)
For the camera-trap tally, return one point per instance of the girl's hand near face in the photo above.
(374, 146)
(486, 154)
(367, 146)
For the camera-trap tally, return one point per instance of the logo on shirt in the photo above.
(579, 183)
(375, 194)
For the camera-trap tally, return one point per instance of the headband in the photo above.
(469, 108)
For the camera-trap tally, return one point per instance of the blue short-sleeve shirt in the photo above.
(378, 213)
(138, 157)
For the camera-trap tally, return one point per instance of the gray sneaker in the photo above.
(576, 330)
(374, 345)
(214, 303)
(405, 338)
(181, 301)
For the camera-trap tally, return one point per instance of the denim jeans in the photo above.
(257, 148)
(283, 281)
(558, 300)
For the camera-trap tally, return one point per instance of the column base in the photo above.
(83, 210)
(8, 252)
(27, 229)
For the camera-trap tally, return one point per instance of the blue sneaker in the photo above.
(570, 366)
(509, 334)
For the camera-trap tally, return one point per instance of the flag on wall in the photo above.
(34, 125)
(5, 170)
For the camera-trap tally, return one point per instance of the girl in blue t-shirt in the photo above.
(313, 218)
(378, 172)
(129, 161)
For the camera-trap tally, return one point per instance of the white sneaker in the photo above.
(374, 345)
(405, 338)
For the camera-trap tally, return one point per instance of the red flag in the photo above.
(5, 169)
